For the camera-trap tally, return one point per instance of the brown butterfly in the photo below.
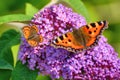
(31, 35)
(82, 38)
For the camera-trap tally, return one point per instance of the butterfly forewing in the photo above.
(67, 41)
(92, 31)
(64, 40)
(26, 31)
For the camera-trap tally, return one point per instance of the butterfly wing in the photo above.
(32, 42)
(35, 41)
(67, 41)
(26, 31)
(92, 31)
(33, 30)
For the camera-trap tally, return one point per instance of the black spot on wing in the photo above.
(66, 35)
(61, 37)
(99, 23)
(104, 23)
(93, 24)
(69, 40)
(90, 32)
(87, 26)
(94, 30)
(56, 40)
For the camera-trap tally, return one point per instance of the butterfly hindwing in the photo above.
(32, 42)
(94, 29)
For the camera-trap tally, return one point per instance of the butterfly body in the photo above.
(82, 38)
(31, 35)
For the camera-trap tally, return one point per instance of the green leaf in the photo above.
(79, 7)
(21, 72)
(15, 50)
(8, 39)
(40, 3)
(41, 77)
(30, 9)
(5, 65)
(14, 17)
(5, 74)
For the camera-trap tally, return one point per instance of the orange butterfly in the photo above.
(31, 35)
(82, 38)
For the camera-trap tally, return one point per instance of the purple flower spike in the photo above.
(98, 63)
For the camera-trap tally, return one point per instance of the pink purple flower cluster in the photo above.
(98, 63)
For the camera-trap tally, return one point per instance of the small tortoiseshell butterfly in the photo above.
(82, 38)
(31, 35)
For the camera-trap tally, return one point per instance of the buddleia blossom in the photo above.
(100, 62)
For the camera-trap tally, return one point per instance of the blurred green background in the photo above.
(97, 10)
